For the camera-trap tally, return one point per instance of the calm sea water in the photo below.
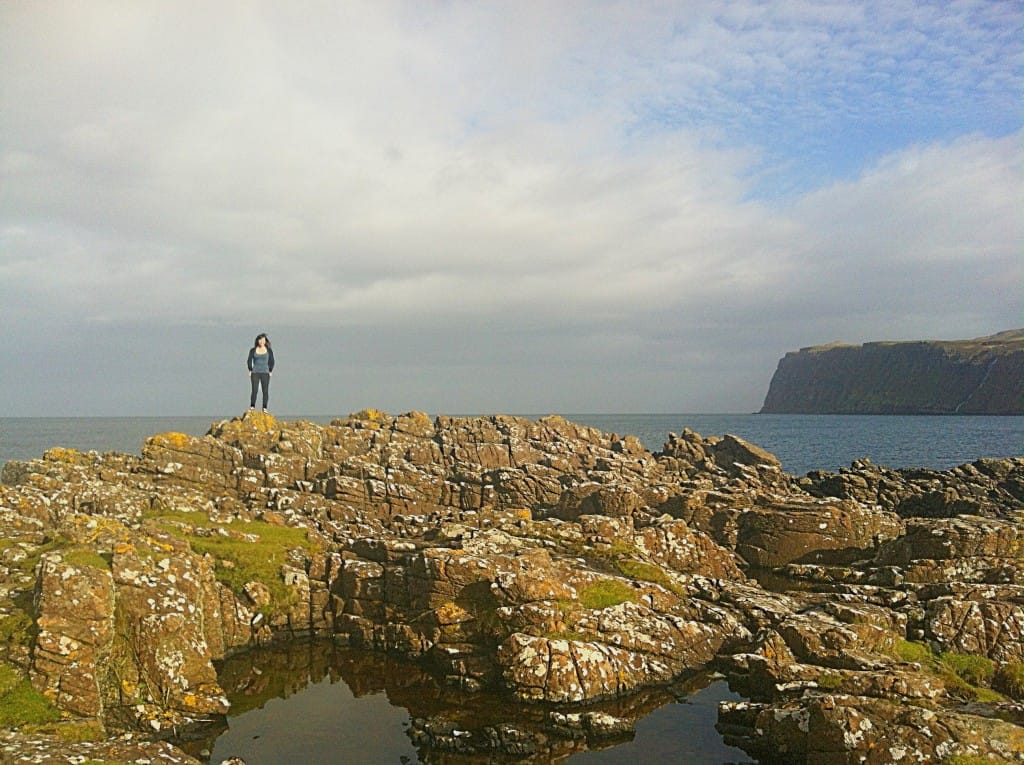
(801, 442)
(320, 718)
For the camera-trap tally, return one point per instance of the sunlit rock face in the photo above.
(560, 563)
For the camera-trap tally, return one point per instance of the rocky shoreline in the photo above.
(869, 616)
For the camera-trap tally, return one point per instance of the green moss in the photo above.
(973, 759)
(20, 703)
(605, 593)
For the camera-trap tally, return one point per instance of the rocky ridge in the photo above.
(564, 565)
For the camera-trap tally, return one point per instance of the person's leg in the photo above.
(254, 379)
(265, 382)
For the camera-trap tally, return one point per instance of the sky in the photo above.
(531, 206)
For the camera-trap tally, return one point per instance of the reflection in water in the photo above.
(288, 706)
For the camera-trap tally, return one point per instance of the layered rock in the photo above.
(560, 563)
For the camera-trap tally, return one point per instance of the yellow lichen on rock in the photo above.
(170, 440)
(451, 613)
(264, 422)
(66, 455)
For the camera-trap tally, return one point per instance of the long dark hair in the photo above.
(256, 342)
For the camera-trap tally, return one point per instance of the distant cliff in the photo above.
(980, 376)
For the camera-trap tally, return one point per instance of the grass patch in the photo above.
(86, 558)
(605, 593)
(570, 635)
(829, 681)
(76, 733)
(1009, 678)
(973, 669)
(16, 628)
(20, 703)
(253, 552)
(70, 732)
(907, 650)
(966, 676)
(646, 572)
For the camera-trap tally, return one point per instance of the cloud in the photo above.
(639, 187)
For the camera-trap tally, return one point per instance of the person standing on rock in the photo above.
(261, 365)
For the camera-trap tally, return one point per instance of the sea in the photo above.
(325, 714)
(801, 442)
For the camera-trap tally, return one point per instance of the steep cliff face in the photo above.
(980, 376)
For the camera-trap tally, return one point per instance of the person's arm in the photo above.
(270, 361)
(248, 362)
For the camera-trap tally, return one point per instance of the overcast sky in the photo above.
(524, 206)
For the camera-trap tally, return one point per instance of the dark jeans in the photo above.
(259, 379)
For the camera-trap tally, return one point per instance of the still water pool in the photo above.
(314, 703)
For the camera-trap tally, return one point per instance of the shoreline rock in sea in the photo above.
(559, 563)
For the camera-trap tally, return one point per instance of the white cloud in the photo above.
(584, 173)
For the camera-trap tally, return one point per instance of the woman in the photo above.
(261, 364)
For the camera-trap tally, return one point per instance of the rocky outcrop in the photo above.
(987, 487)
(559, 563)
(980, 376)
(836, 729)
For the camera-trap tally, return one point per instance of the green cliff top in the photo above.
(1008, 341)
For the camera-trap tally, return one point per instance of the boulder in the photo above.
(812, 531)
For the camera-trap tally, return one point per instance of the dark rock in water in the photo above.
(980, 376)
(544, 558)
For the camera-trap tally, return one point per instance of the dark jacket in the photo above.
(270, 358)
